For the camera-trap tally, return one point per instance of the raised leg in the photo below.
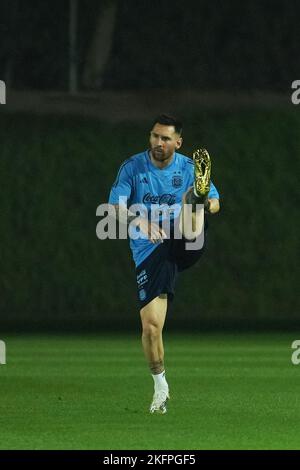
(191, 221)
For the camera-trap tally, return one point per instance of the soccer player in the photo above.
(161, 178)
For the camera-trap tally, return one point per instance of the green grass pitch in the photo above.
(93, 392)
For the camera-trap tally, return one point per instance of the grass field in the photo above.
(93, 392)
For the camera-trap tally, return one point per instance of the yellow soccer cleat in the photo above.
(202, 170)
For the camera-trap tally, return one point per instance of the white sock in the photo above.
(160, 381)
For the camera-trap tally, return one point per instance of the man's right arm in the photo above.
(123, 188)
(123, 215)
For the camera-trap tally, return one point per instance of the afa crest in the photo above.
(177, 181)
(142, 294)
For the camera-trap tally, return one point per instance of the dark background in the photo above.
(203, 44)
(226, 67)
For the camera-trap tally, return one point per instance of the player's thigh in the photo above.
(154, 312)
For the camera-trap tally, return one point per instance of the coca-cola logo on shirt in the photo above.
(168, 199)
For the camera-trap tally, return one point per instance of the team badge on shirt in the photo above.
(177, 181)
(142, 294)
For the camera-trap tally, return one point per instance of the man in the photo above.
(162, 178)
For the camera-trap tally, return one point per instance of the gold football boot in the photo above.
(202, 170)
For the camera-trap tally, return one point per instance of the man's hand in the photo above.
(150, 229)
(214, 205)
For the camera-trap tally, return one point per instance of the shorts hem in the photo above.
(145, 302)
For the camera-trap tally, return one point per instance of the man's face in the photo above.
(163, 142)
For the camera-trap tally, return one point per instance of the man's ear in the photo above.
(179, 143)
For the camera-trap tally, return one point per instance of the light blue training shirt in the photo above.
(141, 182)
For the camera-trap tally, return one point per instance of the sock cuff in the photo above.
(160, 375)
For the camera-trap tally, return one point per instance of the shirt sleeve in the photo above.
(213, 192)
(122, 187)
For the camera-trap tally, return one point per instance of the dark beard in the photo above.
(159, 156)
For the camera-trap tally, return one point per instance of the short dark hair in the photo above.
(168, 120)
